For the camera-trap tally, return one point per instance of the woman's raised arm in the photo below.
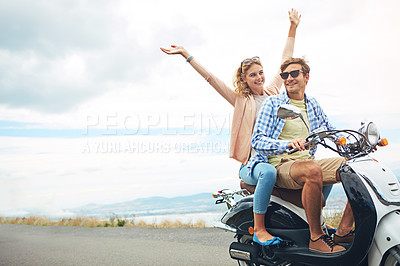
(274, 86)
(294, 18)
(215, 82)
(175, 49)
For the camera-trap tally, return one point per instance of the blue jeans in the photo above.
(264, 176)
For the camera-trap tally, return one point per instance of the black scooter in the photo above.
(371, 188)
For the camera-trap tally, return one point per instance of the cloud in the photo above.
(46, 52)
(57, 55)
(52, 27)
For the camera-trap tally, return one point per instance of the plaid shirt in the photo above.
(269, 126)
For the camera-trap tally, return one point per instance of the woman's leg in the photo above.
(251, 180)
(264, 176)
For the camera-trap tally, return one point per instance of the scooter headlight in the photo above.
(370, 131)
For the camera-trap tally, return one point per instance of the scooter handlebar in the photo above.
(293, 150)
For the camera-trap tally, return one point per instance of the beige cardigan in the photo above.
(244, 114)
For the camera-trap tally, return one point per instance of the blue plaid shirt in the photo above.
(269, 126)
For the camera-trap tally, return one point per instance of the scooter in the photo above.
(371, 188)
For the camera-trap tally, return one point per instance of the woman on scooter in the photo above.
(247, 98)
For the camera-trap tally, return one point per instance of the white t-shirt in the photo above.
(259, 99)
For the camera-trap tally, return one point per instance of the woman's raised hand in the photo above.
(175, 49)
(294, 17)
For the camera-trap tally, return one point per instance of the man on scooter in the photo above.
(273, 137)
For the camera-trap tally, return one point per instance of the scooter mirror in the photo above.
(289, 112)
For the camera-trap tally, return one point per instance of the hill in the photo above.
(198, 203)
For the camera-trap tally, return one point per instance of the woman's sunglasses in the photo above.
(248, 61)
(294, 74)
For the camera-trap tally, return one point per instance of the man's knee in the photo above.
(310, 171)
(314, 171)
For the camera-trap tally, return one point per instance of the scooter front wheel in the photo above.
(392, 257)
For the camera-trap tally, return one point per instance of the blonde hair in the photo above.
(241, 87)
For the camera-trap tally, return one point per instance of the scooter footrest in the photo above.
(282, 244)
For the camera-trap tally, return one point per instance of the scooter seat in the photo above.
(290, 195)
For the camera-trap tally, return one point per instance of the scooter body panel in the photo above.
(278, 217)
(384, 184)
(240, 216)
(387, 236)
(384, 189)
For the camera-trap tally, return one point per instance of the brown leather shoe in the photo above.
(249, 188)
(348, 238)
(324, 244)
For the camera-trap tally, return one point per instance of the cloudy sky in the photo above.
(91, 111)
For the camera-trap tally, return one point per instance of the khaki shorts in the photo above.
(329, 167)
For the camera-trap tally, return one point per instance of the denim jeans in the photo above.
(264, 176)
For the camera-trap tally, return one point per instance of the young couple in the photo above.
(259, 140)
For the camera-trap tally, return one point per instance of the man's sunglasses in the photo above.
(294, 74)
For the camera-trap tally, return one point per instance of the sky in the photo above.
(91, 111)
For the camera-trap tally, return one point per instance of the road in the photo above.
(69, 245)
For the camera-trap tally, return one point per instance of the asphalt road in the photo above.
(69, 245)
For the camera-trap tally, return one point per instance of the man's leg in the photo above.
(309, 174)
(346, 224)
(330, 174)
(344, 233)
